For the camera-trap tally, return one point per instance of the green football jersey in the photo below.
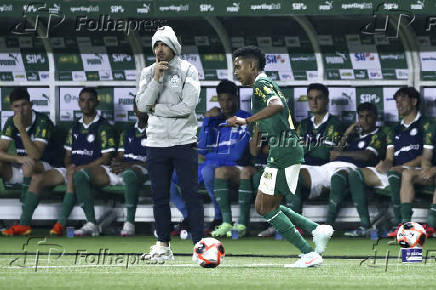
(41, 130)
(279, 131)
(319, 141)
(430, 137)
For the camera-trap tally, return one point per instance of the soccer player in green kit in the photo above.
(271, 114)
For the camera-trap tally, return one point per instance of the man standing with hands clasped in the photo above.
(169, 92)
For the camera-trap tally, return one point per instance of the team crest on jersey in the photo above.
(143, 141)
(90, 138)
(267, 175)
(413, 132)
(361, 144)
(174, 81)
(267, 90)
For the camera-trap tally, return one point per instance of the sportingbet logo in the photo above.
(264, 6)
(177, 8)
(360, 6)
(87, 9)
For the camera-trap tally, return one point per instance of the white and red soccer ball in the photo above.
(208, 252)
(411, 235)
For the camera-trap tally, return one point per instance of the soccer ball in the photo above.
(411, 235)
(208, 252)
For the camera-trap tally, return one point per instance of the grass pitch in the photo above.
(251, 263)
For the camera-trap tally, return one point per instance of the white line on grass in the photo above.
(257, 265)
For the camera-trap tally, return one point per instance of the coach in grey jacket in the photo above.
(169, 92)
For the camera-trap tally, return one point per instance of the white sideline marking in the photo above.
(146, 265)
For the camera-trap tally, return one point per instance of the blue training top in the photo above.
(222, 145)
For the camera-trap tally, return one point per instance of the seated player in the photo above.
(129, 167)
(318, 134)
(363, 145)
(244, 177)
(426, 175)
(220, 145)
(89, 145)
(31, 132)
(404, 149)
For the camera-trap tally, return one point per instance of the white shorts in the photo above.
(114, 179)
(383, 177)
(321, 175)
(63, 172)
(269, 179)
(117, 179)
(17, 173)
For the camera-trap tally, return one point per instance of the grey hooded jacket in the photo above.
(175, 96)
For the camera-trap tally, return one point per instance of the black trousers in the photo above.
(161, 161)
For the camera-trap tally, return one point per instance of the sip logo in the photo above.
(35, 58)
(274, 58)
(121, 57)
(364, 56)
(370, 98)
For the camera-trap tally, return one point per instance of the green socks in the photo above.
(82, 179)
(300, 221)
(360, 200)
(24, 188)
(66, 208)
(431, 217)
(222, 196)
(29, 204)
(130, 194)
(287, 230)
(338, 187)
(245, 194)
(394, 179)
(406, 212)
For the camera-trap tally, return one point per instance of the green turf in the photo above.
(236, 272)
